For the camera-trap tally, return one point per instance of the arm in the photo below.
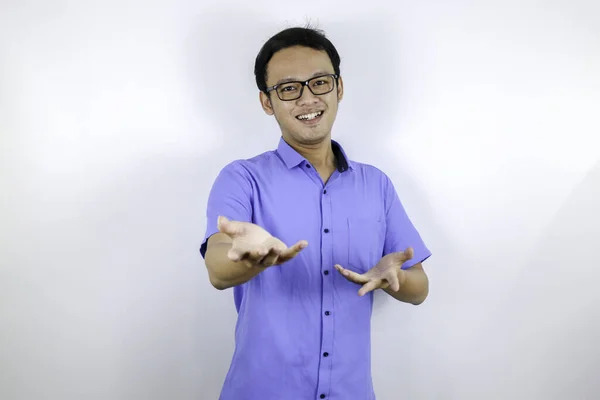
(222, 272)
(234, 249)
(401, 234)
(414, 285)
(401, 265)
(231, 196)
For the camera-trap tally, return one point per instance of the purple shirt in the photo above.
(302, 330)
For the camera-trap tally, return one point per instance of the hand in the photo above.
(254, 246)
(387, 273)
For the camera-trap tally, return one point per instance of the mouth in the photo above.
(310, 118)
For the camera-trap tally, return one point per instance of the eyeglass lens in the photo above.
(318, 85)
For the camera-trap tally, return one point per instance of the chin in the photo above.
(310, 137)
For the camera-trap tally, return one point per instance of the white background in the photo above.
(116, 116)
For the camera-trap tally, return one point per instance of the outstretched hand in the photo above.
(254, 246)
(387, 273)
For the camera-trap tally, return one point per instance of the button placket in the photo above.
(327, 292)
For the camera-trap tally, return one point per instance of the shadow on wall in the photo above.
(553, 311)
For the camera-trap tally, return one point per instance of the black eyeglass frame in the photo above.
(305, 83)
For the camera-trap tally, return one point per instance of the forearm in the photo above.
(414, 286)
(224, 273)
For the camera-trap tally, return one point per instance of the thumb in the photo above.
(405, 255)
(231, 228)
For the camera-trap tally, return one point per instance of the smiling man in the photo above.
(304, 235)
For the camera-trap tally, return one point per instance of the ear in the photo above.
(340, 89)
(265, 102)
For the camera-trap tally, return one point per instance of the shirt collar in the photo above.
(292, 158)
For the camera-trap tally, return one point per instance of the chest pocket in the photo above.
(366, 237)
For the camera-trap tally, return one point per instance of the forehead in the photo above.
(298, 63)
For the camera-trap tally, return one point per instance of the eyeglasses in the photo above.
(318, 85)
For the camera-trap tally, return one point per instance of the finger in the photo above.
(369, 286)
(230, 228)
(258, 254)
(406, 255)
(236, 254)
(351, 275)
(271, 258)
(251, 262)
(393, 280)
(293, 251)
(240, 252)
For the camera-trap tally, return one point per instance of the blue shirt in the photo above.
(302, 330)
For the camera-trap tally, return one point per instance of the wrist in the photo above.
(402, 276)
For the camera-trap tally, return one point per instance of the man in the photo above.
(304, 235)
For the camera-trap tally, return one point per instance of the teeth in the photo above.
(310, 116)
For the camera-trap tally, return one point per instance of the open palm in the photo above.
(254, 246)
(387, 273)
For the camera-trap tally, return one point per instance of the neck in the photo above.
(320, 154)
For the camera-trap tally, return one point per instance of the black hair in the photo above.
(297, 36)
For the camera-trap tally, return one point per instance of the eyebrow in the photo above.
(290, 79)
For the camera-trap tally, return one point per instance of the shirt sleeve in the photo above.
(231, 197)
(400, 231)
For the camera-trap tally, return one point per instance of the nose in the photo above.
(307, 97)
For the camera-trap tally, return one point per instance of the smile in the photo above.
(310, 117)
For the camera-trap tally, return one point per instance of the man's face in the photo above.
(295, 117)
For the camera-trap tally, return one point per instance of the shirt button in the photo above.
(325, 191)
(322, 396)
(326, 230)
(326, 354)
(327, 313)
(326, 272)
(307, 165)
